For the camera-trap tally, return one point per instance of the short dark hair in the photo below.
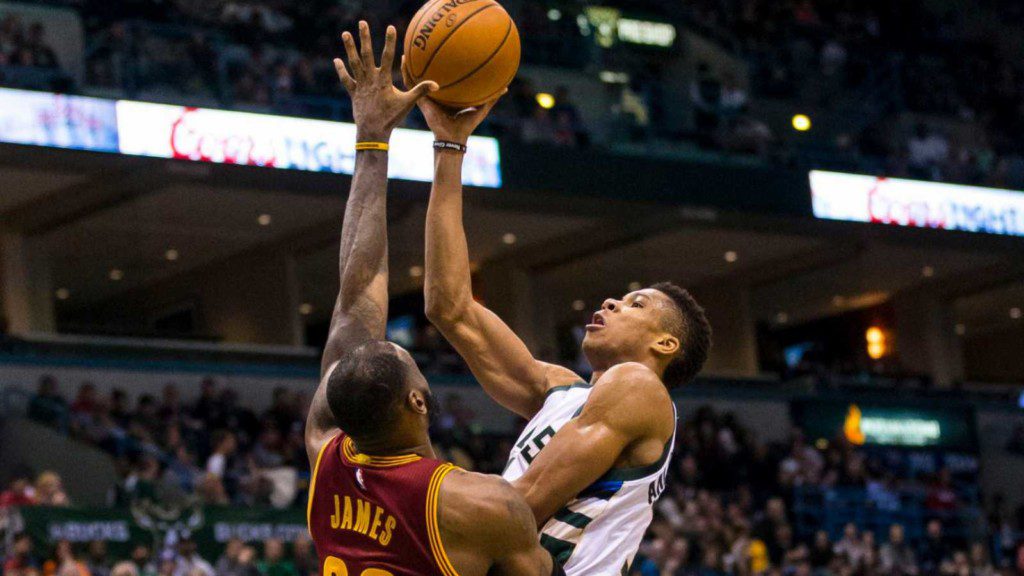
(694, 333)
(365, 390)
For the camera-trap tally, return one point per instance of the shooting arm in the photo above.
(498, 358)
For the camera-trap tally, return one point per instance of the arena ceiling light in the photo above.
(416, 271)
(731, 256)
(801, 123)
(62, 294)
(545, 100)
(172, 255)
(579, 305)
(509, 238)
(264, 219)
(116, 275)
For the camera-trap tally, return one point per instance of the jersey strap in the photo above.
(433, 530)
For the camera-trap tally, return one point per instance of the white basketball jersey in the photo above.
(599, 531)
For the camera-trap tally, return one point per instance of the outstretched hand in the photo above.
(451, 125)
(377, 105)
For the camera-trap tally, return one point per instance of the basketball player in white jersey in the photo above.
(593, 458)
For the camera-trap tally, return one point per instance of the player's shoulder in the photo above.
(484, 507)
(634, 378)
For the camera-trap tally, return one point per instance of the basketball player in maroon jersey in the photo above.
(380, 504)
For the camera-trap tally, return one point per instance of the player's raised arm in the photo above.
(498, 358)
(590, 445)
(360, 312)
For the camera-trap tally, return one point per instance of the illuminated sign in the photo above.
(221, 137)
(609, 27)
(647, 33)
(43, 119)
(864, 423)
(860, 430)
(894, 201)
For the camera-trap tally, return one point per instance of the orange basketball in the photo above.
(469, 47)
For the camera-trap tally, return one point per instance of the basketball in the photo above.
(469, 47)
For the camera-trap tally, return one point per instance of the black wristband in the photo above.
(446, 145)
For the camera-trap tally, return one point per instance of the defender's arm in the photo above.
(491, 527)
(623, 408)
(360, 312)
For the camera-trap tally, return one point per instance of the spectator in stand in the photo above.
(19, 493)
(228, 564)
(50, 490)
(96, 558)
(124, 569)
(941, 496)
(821, 553)
(896, 557)
(224, 446)
(207, 407)
(47, 406)
(928, 149)
(304, 556)
(934, 549)
(189, 562)
(20, 561)
(274, 562)
(64, 562)
(142, 562)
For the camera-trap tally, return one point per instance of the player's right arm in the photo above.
(496, 356)
(486, 527)
(360, 312)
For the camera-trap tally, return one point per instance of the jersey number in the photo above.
(539, 441)
(334, 566)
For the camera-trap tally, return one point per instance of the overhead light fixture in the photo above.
(731, 256)
(264, 219)
(62, 294)
(782, 318)
(554, 14)
(172, 255)
(1015, 313)
(961, 329)
(116, 275)
(306, 309)
(801, 123)
(416, 271)
(876, 339)
(927, 271)
(634, 286)
(509, 238)
(579, 305)
(545, 100)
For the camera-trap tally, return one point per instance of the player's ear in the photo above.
(417, 402)
(666, 345)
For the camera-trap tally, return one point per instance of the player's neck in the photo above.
(651, 363)
(420, 446)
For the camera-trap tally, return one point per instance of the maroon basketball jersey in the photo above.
(374, 515)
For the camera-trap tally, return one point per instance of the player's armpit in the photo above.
(628, 404)
(487, 527)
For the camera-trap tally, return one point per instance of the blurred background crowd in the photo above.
(734, 504)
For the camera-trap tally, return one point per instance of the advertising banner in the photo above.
(221, 137)
(893, 201)
(122, 529)
(44, 119)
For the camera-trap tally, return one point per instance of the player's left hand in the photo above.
(451, 125)
(378, 106)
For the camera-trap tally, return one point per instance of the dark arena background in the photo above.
(837, 182)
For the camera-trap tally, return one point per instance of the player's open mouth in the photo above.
(596, 322)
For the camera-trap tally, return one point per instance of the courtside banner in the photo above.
(222, 137)
(894, 201)
(44, 119)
